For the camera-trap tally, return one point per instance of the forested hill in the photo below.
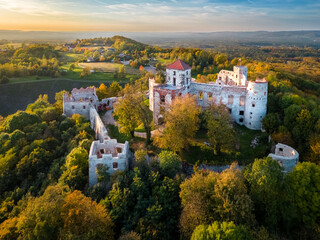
(115, 41)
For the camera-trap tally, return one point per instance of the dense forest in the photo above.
(44, 191)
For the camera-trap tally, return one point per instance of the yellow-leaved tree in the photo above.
(181, 124)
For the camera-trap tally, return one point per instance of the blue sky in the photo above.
(157, 15)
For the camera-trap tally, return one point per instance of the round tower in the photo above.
(256, 104)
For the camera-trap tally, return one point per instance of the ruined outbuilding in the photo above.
(105, 151)
(286, 156)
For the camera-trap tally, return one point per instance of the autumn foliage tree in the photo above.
(221, 134)
(181, 124)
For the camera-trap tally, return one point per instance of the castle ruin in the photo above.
(105, 151)
(246, 100)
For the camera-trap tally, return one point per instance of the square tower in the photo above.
(178, 74)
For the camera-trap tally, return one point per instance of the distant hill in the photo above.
(287, 38)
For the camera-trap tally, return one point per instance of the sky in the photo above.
(159, 16)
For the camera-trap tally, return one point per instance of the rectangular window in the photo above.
(84, 107)
(72, 106)
(174, 73)
(187, 81)
(241, 120)
(241, 113)
(209, 96)
(115, 165)
(174, 81)
(200, 95)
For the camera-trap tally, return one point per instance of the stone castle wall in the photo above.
(105, 151)
(247, 101)
(111, 154)
(233, 98)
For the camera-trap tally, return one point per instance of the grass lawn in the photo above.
(108, 67)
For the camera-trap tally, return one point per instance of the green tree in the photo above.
(72, 67)
(271, 122)
(220, 132)
(181, 124)
(304, 181)
(267, 189)
(85, 72)
(125, 112)
(75, 174)
(170, 163)
(122, 71)
(223, 231)
(114, 89)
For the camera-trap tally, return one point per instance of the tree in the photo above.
(102, 91)
(271, 123)
(181, 124)
(208, 196)
(85, 219)
(4, 80)
(122, 71)
(114, 89)
(132, 110)
(233, 202)
(72, 67)
(290, 116)
(85, 72)
(41, 218)
(304, 181)
(197, 200)
(75, 174)
(59, 101)
(20, 120)
(160, 77)
(222, 231)
(170, 163)
(130, 236)
(220, 132)
(125, 112)
(267, 189)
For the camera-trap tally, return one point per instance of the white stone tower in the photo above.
(178, 74)
(256, 104)
(241, 75)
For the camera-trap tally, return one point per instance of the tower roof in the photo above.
(178, 65)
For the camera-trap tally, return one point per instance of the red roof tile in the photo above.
(178, 65)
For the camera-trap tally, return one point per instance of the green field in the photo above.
(108, 67)
(17, 96)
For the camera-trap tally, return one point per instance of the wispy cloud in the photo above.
(169, 14)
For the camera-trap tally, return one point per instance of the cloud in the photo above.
(182, 15)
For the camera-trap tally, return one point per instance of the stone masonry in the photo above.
(105, 151)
